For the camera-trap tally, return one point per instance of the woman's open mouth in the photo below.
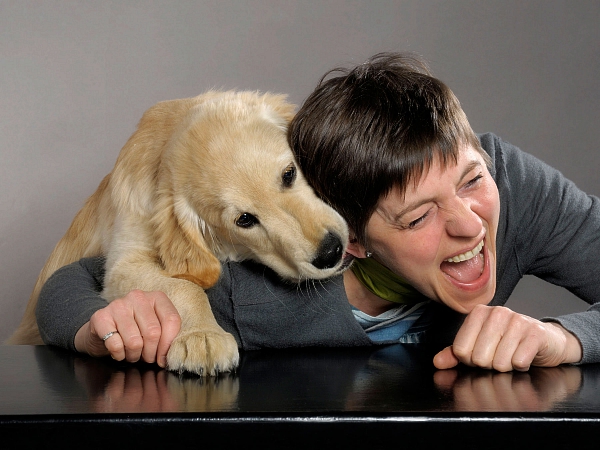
(466, 267)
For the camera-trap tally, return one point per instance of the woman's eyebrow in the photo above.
(473, 164)
(410, 207)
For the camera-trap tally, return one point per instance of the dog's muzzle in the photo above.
(330, 252)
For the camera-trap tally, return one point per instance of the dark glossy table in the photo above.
(303, 398)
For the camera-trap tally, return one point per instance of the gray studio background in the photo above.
(75, 77)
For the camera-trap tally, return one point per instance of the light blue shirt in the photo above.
(394, 325)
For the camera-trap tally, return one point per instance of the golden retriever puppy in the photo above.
(202, 180)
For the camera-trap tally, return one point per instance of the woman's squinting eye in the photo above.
(474, 181)
(416, 222)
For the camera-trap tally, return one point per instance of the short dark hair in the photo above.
(375, 127)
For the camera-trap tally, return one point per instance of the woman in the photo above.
(443, 225)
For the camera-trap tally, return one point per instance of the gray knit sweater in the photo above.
(548, 228)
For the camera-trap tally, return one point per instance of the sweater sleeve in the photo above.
(569, 237)
(249, 301)
(586, 327)
(263, 311)
(553, 229)
(68, 300)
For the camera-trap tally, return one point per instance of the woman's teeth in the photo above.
(468, 255)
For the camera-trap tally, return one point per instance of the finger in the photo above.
(148, 323)
(100, 344)
(518, 346)
(170, 321)
(129, 342)
(492, 333)
(445, 359)
(525, 353)
(467, 335)
(114, 344)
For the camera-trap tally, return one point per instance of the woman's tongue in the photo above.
(464, 271)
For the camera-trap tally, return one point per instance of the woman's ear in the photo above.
(355, 248)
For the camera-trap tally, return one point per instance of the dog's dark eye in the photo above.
(289, 175)
(246, 220)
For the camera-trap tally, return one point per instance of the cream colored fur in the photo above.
(166, 215)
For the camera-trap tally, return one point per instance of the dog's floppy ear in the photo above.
(181, 245)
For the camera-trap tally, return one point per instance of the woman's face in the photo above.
(441, 236)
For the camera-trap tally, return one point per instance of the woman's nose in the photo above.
(463, 221)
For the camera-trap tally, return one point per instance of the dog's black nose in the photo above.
(330, 252)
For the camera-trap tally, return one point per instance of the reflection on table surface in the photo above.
(392, 379)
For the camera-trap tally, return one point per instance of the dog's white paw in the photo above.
(203, 353)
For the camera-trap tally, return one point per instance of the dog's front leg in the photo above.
(202, 346)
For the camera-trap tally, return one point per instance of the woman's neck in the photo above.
(363, 299)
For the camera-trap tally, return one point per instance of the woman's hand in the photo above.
(494, 337)
(146, 323)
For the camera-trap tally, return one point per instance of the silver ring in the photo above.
(107, 335)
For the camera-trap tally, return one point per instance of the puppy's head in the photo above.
(236, 184)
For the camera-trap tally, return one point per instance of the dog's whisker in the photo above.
(321, 305)
(305, 294)
(313, 296)
(311, 301)
(275, 295)
(324, 286)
